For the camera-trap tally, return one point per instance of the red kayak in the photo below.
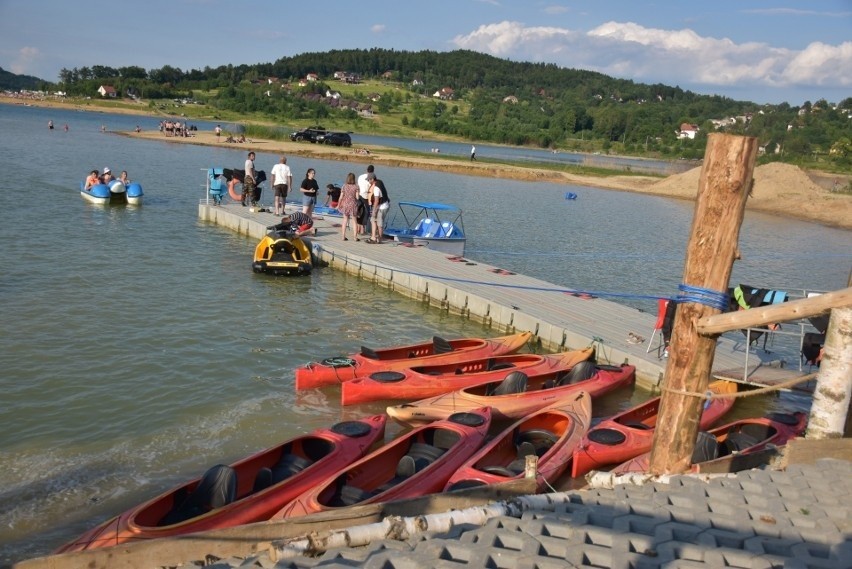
(427, 381)
(739, 437)
(551, 434)
(336, 370)
(418, 463)
(517, 394)
(631, 432)
(248, 491)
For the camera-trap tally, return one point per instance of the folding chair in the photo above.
(662, 306)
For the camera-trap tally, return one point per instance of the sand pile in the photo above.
(781, 189)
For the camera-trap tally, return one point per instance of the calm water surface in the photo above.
(138, 348)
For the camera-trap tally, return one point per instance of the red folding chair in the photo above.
(662, 306)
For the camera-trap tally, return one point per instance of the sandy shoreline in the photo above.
(779, 189)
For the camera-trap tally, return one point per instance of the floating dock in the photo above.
(560, 318)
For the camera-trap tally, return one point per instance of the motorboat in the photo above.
(247, 491)
(338, 369)
(550, 434)
(280, 252)
(517, 393)
(436, 226)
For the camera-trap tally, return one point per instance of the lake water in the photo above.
(138, 348)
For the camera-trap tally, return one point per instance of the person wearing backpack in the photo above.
(380, 203)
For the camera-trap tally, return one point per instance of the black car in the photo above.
(310, 134)
(336, 138)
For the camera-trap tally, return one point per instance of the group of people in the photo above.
(95, 177)
(176, 128)
(363, 201)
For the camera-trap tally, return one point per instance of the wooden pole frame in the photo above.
(723, 189)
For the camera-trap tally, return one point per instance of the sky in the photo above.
(765, 51)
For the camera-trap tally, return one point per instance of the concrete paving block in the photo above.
(676, 550)
(449, 550)
(724, 495)
(502, 539)
(725, 557)
(676, 531)
(644, 525)
(552, 527)
(716, 537)
(815, 556)
(770, 545)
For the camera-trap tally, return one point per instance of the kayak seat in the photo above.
(706, 448)
(494, 366)
(515, 382)
(217, 488)
(499, 471)
(443, 439)
(757, 431)
(262, 480)
(424, 454)
(317, 448)
(441, 346)
(539, 439)
(289, 465)
(349, 496)
(580, 372)
(736, 442)
(368, 353)
(407, 467)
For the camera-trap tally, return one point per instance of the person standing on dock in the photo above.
(473, 153)
(349, 206)
(282, 181)
(309, 189)
(248, 179)
(364, 199)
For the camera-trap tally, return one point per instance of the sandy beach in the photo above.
(779, 189)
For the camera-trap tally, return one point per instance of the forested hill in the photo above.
(10, 81)
(480, 97)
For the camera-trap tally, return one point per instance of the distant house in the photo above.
(332, 94)
(445, 94)
(416, 82)
(511, 99)
(387, 75)
(312, 77)
(107, 91)
(272, 80)
(687, 131)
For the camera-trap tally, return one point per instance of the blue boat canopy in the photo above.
(431, 205)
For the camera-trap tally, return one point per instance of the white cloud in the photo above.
(24, 59)
(377, 28)
(675, 57)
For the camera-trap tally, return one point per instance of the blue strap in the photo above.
(705, 296)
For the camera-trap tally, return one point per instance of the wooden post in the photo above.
(723, 188)
(834, 382)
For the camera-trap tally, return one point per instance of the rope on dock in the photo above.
(759, 391)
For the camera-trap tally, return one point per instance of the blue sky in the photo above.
(764, 51)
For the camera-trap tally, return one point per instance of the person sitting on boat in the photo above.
(124, 179)
(297, 222)
(333, 195)
(92, 179)
(107, 176)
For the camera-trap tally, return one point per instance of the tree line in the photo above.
(493, 100)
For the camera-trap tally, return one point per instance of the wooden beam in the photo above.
(793, 310)
(723, 188)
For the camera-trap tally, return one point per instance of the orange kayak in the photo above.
(431, 380)
(517, 395)
(247, 491)
(631, 432)
(336, 370)
(417, 463)
(739, 437)
(551, 434)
